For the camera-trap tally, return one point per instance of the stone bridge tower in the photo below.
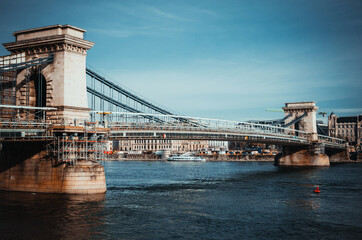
(302, 116)
(46, 71)
(64, 86)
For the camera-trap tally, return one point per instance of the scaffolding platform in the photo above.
(73, 151)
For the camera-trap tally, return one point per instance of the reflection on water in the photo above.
(29, 198)
(307, 204)
(212, 200)
(34, 215)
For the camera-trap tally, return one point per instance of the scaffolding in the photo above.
(8, 94)
(72, 150)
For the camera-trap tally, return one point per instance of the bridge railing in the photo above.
(146, 125)
(137, 121)
(24, 130)
(31, 127)
(126, 121)
(331, 140)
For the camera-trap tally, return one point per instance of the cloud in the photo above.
(208, 12)
(112, 32)
(167, 15)
(128, 31)
(213, 61)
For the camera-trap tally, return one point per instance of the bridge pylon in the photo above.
(63, 84)
(301, 116)
(46, 143)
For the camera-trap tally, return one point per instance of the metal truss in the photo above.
(114, 89)
(114, 102)
(124, 92)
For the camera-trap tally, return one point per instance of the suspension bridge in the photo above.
(47, 94)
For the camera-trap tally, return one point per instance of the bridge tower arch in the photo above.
(38, 84)
(64, 77)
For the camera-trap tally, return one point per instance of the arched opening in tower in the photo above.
(297, 127)
(40, 92)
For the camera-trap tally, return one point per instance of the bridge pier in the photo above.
(46, 71)
(302, 157)
(30, 170)
(337, 156)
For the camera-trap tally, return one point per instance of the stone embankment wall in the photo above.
(24, 167)
(237, 158)
(225, 158)
(138, 157)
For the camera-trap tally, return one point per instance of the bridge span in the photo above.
(56, 116)
(134, 126)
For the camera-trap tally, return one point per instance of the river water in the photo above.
(211, 200)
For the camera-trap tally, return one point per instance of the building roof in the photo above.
(350, 119)
(39, 29)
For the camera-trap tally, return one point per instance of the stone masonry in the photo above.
(65, 76)
(303, 156)
(307, 123)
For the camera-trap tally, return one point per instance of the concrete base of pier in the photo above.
(25, 167)
(301, 157)
(339, 156)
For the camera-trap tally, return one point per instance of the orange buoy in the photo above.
(317, 190)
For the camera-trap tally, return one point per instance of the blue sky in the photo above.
(216, 58)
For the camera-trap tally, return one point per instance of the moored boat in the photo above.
(186, 157)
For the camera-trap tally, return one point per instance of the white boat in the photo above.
(186, 157)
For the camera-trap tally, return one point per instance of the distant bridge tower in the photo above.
(64, 79)
(302, 117)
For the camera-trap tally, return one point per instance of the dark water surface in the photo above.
(212, 200)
